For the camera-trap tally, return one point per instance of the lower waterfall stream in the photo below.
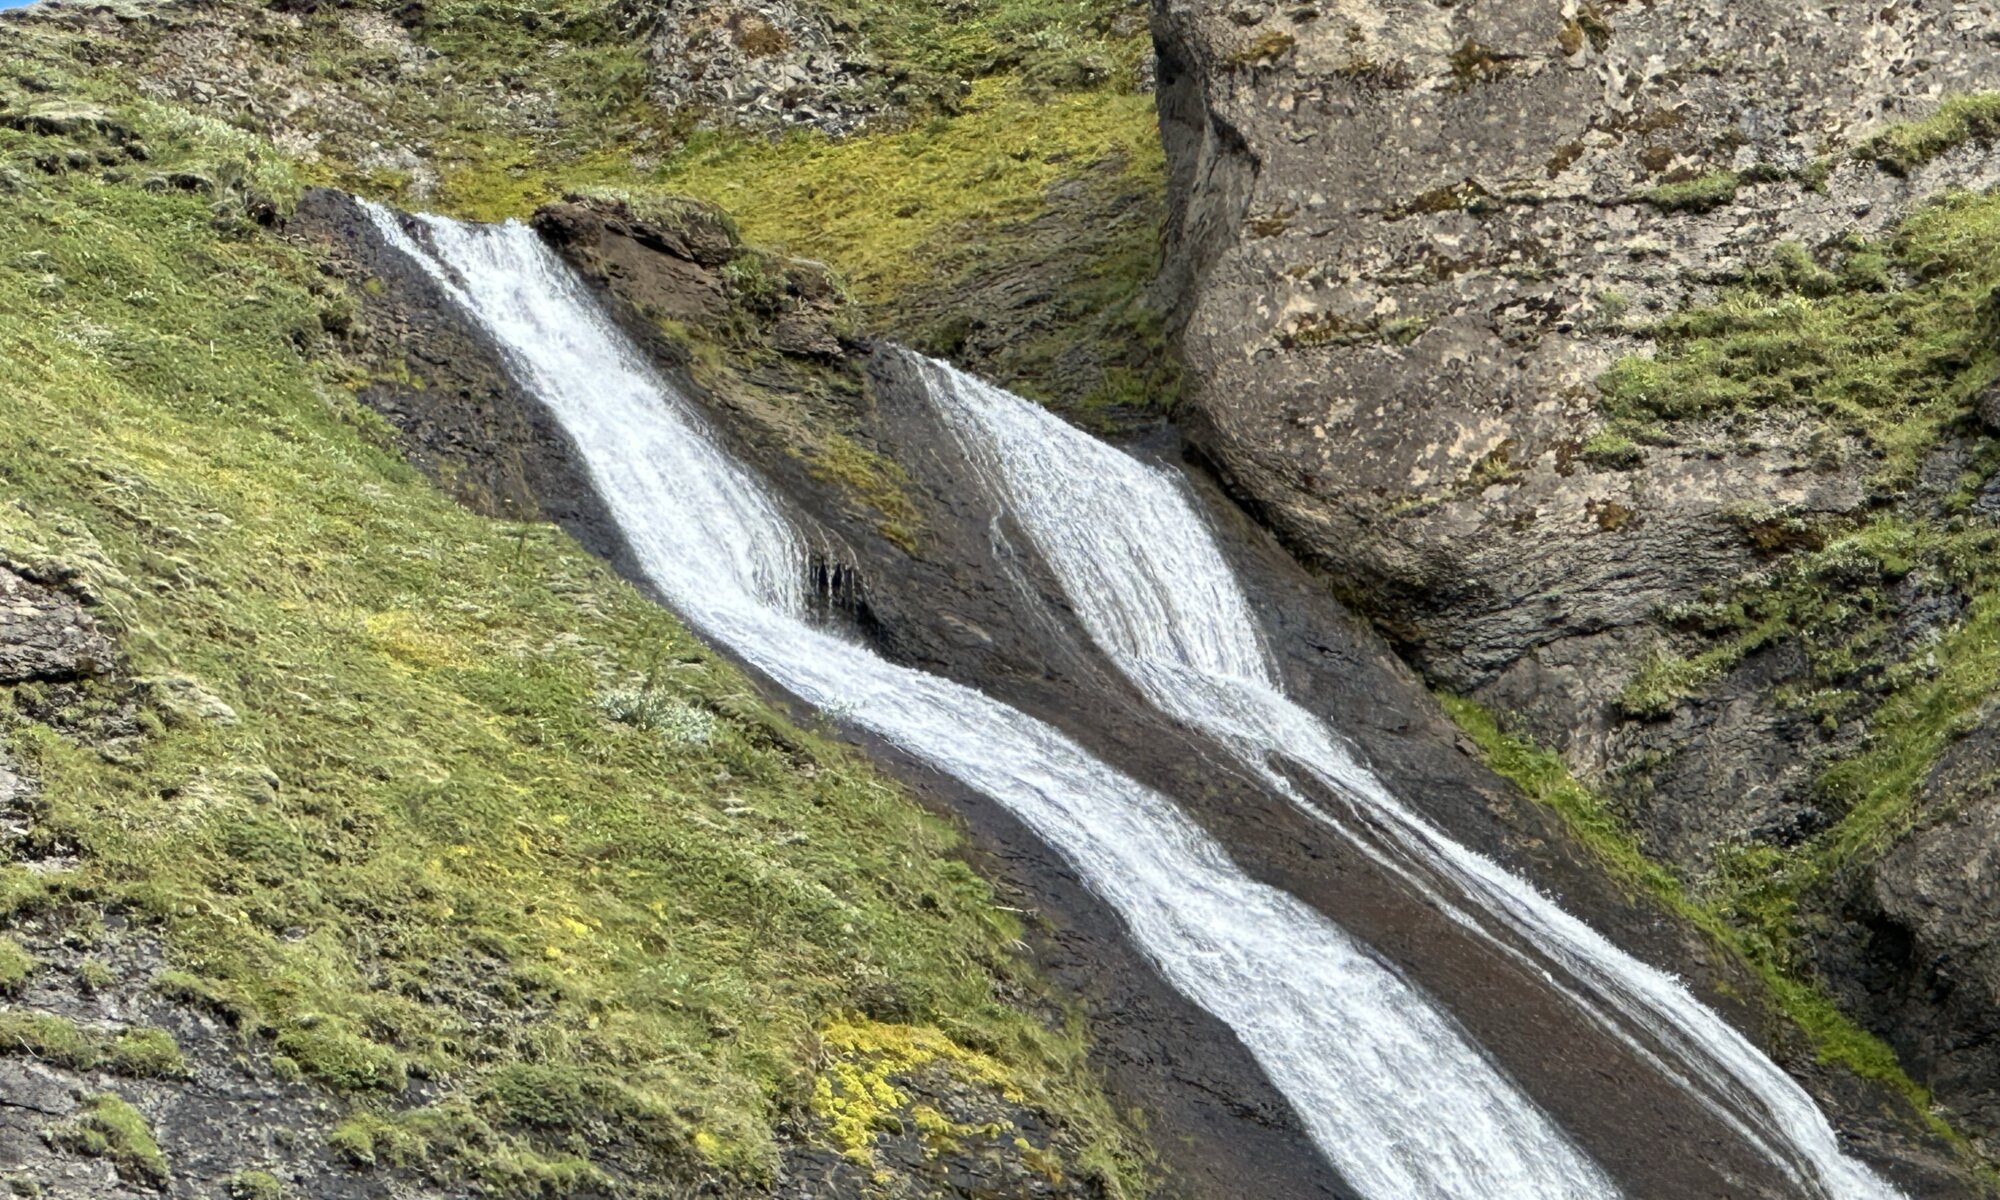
(1387, 1084)
(1156, 593)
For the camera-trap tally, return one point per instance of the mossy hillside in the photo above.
(466, 107)
(487, 112)
(1068, 186)
(430, 847)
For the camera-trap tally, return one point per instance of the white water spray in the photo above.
(1155, 592)
(1389, 1088)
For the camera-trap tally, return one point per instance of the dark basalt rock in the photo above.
(46, 634)
(1913, 948)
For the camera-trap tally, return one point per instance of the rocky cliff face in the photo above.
(1409, 234)
(1538, 329)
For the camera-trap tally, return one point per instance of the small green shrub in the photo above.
(675, 720)
(94, 977)
(16, 965)
(255, 1185)
(108, 1127)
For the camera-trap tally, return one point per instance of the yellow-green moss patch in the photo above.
(108, 1127)
(16, 965)
(874, 206)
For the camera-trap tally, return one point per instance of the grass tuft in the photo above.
(1699, 194)
(107, 1127)
(1901, 149)
(16, 965)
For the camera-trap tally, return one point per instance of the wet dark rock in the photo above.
(668, 270)
(1988, 408)
(1913, 948)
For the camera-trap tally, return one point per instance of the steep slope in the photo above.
(357, 841)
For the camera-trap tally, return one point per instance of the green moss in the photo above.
(108, 1127)
(16, 965)
(1663, 680)
(1884, 342)
(146, 1052)
(874, 480)
(1903, 148)
(137, 1051)
(343, 1060)
(45, 1036)
(425, 847)
(254, 1185)
(451, 1144)
(1699, 194)
(22, 890)
(1611, 451)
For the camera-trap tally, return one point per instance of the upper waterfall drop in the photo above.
(1388, 1086)
(1154, 590)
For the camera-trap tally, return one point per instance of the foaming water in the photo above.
(1389, 1087)
(1153, 589)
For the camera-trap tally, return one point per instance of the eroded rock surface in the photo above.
(1406, 235)
(46, 634)
(765, 63)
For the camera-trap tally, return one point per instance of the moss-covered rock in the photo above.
(108, 1127)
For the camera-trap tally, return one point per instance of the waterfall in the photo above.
(1153, 590)
(1389, 1088)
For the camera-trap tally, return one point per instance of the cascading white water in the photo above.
(1388, 1087)
(1155, 592)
